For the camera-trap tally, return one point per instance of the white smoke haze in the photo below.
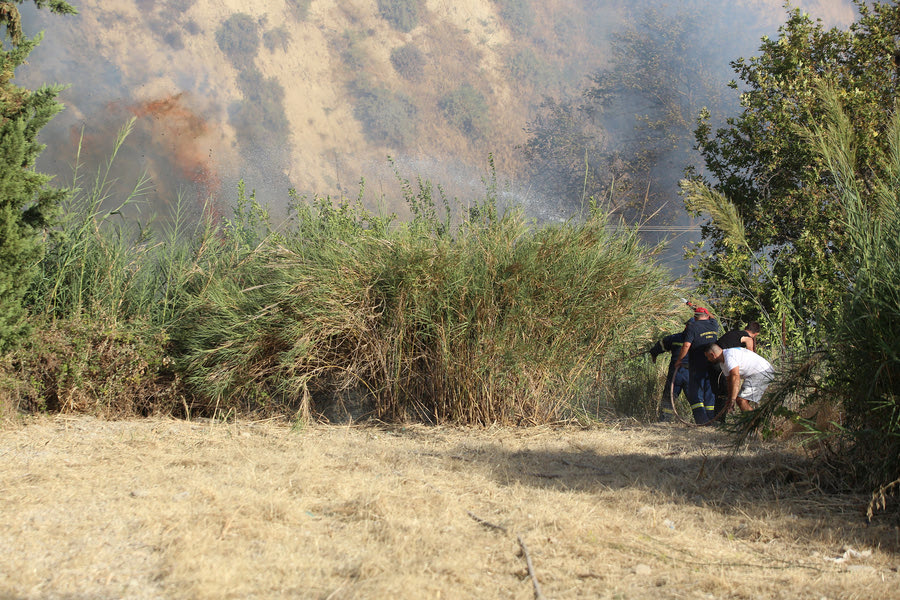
(323, 102)
(834, 13)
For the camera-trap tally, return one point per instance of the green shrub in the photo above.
(467, 110)
(238, 38)
(525, 66)
(517, 14)
(490, 321)
(277, 38)
(388, 117)
(352, 51)
(402, 14)
(168, 32)
(299, 9)
(92, 367)
(259, 118)
(409, 61)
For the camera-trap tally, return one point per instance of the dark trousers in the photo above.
(720, 390)
(700, 394)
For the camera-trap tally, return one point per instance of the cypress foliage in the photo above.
(27, 203)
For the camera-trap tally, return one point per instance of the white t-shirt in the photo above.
(750, 363)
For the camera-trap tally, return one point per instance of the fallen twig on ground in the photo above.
(487, 524)
(534, 582)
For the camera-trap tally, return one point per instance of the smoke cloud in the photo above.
(311, 99)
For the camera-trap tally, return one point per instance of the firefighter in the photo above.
(699, 333)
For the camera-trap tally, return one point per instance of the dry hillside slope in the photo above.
(162, 62)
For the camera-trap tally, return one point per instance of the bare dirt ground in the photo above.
(171, 509)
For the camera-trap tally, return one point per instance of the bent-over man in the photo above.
(735, 338)
(757, 374)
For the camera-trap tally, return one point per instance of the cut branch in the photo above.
(534, 582)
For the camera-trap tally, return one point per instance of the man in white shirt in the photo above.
(736, 363)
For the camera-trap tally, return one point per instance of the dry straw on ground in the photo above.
(172, 509)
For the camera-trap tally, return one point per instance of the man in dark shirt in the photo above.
(676, 379)
(699, 333)
(738, 338)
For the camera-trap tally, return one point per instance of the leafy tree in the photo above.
(632, 125)
(782, 190)
(27, 204)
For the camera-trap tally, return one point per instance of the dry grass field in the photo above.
(172, 509)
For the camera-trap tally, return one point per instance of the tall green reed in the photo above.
(492, 319)
(862, 349)
(463, 313)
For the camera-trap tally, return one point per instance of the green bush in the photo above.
(467, 110)
(277, 38)
(491, 321)
(92, 366)
(352, 51)
(388, 117)
(526, 67)
(238, 38)
(402, 14)
(409, 61)
(259, 118)
(517, 14)
(299, 9)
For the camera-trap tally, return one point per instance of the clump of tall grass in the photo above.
(468, 315)
(862, 346)
(490, 320)
(102, 303)
(104, 261)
